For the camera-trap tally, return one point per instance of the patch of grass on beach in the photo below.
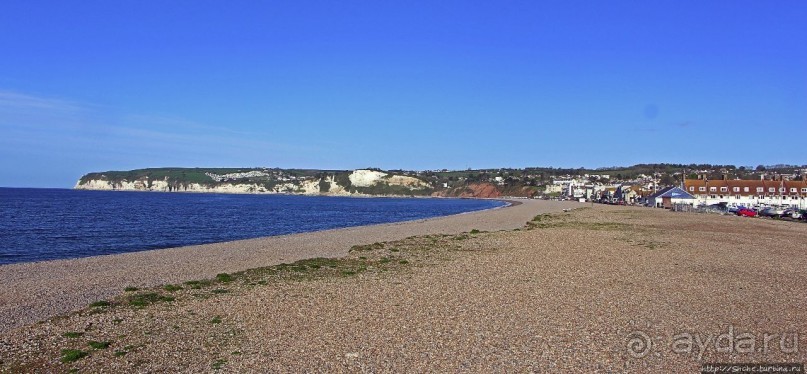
(145, 299)
(100, 304)
(604, 225)
(542, 221)
(126, 350)
(224, 278)
(366, 247)
(172, 287)
(98, 345)
(547, 220)
(72, 355)
(305, 269)
(298, 268)
(216, 320)
(130, 289)
(319, 262)
(397, 253)
(72, 334)
(198, 284)
(218, 364)
(542, 217)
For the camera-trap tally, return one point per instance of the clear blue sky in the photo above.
(109, 85)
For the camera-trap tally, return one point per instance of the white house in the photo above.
(749, 192)
(670, 196)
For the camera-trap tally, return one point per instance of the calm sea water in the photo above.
(46, 224)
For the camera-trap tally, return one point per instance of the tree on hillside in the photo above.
(668, 180)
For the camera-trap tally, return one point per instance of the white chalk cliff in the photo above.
(229, 183)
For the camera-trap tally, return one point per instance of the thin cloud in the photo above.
(10, 100)
(54, 125)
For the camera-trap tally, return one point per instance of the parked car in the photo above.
(716, 208)
(772, 212)
(745, 212)
(792, 213)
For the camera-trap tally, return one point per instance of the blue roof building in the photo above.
(665, 198)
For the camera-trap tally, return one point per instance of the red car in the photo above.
(746, 213)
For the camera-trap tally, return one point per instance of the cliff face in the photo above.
(487, 190)
(483, 190)
(362, 182)
(358, 182)
(167, 186)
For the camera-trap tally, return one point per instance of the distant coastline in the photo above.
(535, 182)
(360, 182)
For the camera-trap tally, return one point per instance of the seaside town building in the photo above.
(776, 192)
(553, 189)
(669, 196)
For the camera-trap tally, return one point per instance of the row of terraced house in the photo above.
(739, 192)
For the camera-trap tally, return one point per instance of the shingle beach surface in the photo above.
(597, 289)
(31, 292)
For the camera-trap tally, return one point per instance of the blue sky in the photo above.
(110, 85)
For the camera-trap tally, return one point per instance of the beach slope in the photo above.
(595, 289)
(32, 292)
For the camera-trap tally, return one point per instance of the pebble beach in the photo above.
(528, 288)
(32, 292)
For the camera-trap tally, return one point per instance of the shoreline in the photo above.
(565, 290)
(505, 202)
(39, 290)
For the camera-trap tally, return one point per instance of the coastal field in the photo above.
(526, 288)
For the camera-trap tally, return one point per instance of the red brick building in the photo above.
(749, 192)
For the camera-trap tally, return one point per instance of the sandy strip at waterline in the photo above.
(32, 292)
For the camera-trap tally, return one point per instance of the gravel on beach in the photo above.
(32, 292)
(597, 289)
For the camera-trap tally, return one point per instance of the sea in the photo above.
(48, 224)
